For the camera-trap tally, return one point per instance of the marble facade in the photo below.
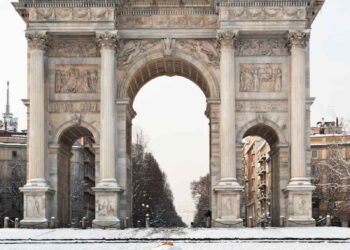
(88, 61)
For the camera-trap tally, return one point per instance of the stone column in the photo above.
(107, 188)
(299, 190)
(36, 191)
(228, 189)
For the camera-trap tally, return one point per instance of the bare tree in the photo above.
(332, 180)
(11, 199)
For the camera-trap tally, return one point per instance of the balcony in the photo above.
(261, 184)
(262, 170)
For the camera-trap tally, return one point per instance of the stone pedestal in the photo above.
(106, 213)
(299, 205)
(37, 206)
(228, 206)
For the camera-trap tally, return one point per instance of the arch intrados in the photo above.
(155, 64)
(167, 67)
(264, 131)
(71, 134)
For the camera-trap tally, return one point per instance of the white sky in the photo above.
(171, 110)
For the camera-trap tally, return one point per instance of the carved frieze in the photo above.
(260, 77)
(167, 20)
(71, 14)
(204, 50)
(262, 47)
(261, 106)
(74, 107)
(73, 48)
(129, 50)
(76, 78)
(263, 13)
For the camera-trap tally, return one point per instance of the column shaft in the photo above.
(37, 139)
(227, 113)
(297, 42)
(108, 115)
(298, 113)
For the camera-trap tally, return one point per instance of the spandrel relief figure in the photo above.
(76, 79)
(260, 78)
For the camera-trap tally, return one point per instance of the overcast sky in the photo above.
(171, 110)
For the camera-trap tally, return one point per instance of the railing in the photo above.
(65, 3)
(267, 3)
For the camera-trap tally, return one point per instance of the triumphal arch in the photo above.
(87, 60)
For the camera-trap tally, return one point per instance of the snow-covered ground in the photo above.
(183, 238)
(177, 233)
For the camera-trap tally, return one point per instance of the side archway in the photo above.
(75, 174)
(264, 154)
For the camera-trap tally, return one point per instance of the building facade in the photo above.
(258, 178)
(330, 153)
(87, 62)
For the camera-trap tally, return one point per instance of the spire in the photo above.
(8, 98)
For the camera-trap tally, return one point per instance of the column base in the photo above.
(298, 195)
(37, 204)
(106, 208)
(228, 197)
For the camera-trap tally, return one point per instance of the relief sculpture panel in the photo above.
(266, 77)
(76, 78)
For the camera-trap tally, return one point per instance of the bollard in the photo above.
(83, 223)
(208, 222)
(282, 221)
(126, 222)
(6, 222)
(250, 221)
(147, 222)
(328, 220)
(17, 225)
(52, 223)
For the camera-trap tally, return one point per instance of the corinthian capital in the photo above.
(227, 38)
(108, 40)
(298, 38)
(37, 40)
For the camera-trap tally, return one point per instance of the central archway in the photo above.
(143, 70)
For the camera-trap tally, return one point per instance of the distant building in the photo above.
(257, 179)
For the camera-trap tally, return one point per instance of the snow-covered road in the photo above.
(185, 238)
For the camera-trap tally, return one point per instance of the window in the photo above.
(14, 154)
(314, 154)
